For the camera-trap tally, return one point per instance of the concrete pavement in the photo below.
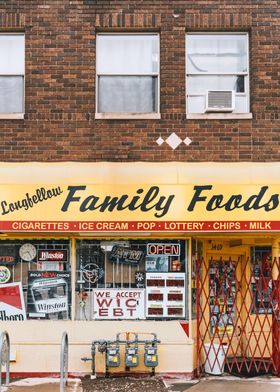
(224, 384)
(42, 385)
(248, 385)
(208, 384)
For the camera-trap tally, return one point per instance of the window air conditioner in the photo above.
(220, 101)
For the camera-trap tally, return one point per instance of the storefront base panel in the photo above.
(35, 346)
(73, 375)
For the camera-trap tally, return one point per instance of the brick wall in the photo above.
(59, 124)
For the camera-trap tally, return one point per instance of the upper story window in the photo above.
(11, 74)
(217, 73)
(127, 67)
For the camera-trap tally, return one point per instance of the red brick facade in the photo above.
(59, 123)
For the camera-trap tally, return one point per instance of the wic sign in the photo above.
(111, 304)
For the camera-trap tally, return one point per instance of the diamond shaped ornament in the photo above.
(173, 140)
(160, 141)
(187, 141)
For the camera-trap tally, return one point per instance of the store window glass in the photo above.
(35, 280)
(12, 67)
(131, 279)
(217, 77)
(261, 280)
(127, 73)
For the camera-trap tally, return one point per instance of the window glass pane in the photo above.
(199, 84)
(241, 104)
(11, 94)
(39, 269)
(216, 53)
(127, 94)
(110, 272)
(196, 104)
(127, 54)
(12, 54)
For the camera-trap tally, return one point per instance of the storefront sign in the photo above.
(7, 260)
(198, 207)
(49, 295)
(8, 255)
(52, 255)
(124, 255)
(163, 249)
(12, 305)
(118, 304)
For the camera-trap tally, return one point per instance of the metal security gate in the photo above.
(238, 315)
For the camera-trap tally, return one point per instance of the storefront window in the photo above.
(261, 279)
(222, 296)
(131, 279)
(35, 280)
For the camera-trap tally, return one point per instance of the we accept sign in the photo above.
(127, 304)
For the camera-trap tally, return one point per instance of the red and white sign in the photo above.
(12, 305)
(111, 304)
(52, 255)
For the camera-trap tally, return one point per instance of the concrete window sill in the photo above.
(219, 116)
(11, 116)
(127, 116)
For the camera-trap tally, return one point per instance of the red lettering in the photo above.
(130, 311)
(103, 312)
(117, 312)
(128, 301)
(104, 301)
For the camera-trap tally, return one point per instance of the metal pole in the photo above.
(63, 361)
(5, 336)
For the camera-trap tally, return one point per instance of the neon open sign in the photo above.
(163, 249)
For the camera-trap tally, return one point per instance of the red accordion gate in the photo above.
(237, 315)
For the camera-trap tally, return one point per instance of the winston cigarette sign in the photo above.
(197, 207)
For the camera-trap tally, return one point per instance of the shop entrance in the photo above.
(237, 312)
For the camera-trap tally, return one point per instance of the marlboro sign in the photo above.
(12, 305)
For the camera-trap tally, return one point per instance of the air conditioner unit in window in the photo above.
(220, 101)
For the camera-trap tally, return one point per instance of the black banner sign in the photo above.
(123, 255)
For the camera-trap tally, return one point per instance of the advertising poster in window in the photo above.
(12, 305)
(48, 295)
(111, 304)
(165, 295)
(222, 292)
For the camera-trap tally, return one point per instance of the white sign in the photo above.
(165, 295)
(12, 305)
(111, 304)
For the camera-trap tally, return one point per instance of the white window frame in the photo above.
(128, 115)
(217, 115)
(15, 115)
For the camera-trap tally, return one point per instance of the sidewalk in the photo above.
(209, 384)
(244, 385)
(225, 384)
(42, 385)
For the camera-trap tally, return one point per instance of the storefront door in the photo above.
(236, 306)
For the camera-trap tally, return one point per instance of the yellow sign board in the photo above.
(85, 207)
